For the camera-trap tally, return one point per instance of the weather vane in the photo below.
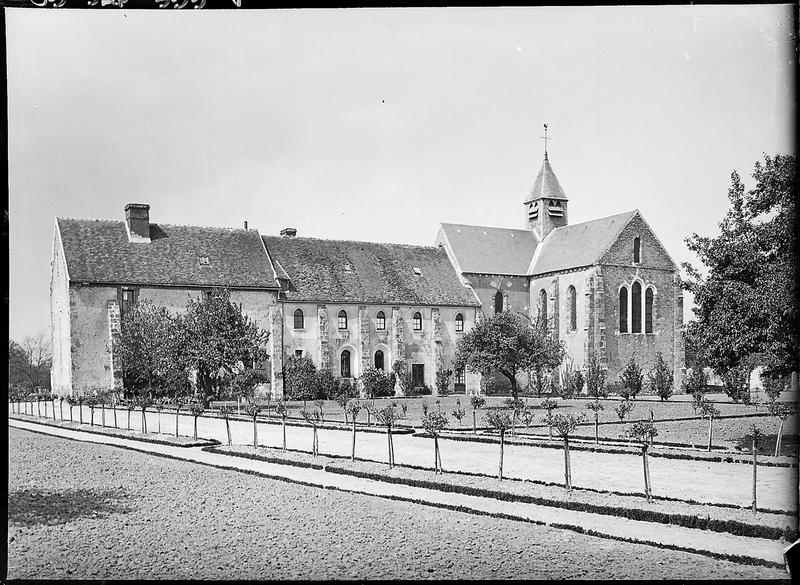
(545, 141)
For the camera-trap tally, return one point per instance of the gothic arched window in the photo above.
(379, 360)
(648, 310)
(417, 321)
(637, 245)
(543, 306)
(298, 319)
(498, 302)
(636, 308)
(344, 366)
(342, 319)
(623, 309)
(459, 323)
(381, 321)
(572, 297)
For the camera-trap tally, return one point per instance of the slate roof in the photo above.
(491, 250)
(580, 244)
(546, 184)
(379, 274)
(98, 251)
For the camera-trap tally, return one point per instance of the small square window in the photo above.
(204, 261)
(298, 353)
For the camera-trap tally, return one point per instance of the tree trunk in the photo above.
(567, 474)
(60, 409)
(54, 410)
(255, 433)
(114, 407)
(38, 407)
(647, 490)
(195, 427)
(513, 420)
(177, 412)
(353, 452)
(435, 454)
(159, 422)
(70, 413)
(710, 428)
(596, 428)
(755, 467)
(474, 423)
(228, 429)
(144, 421)
(129, 421)
(91, 416)
(102, 414)
(313, 441)
(80, 413)
(284, 433)
(778, 440)
(389, 445)
(502, 441)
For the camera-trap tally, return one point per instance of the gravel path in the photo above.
(78, 510)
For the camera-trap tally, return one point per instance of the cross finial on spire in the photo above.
(545, 138)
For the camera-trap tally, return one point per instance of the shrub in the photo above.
(623, 409)
(660, 378)
(328, 386)
(736, 382)
(595, 376)
(631, 380)
(299, 378)
(443, 381)
(377, 383)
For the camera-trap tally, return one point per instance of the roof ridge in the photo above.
(491, 227)
(591, 221)
(352, 241)
(160, 223)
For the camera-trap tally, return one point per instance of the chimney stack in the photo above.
(288, 232)
(137, 222)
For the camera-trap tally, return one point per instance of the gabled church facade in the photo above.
(606, 286)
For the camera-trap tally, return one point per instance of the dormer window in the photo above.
(637, 250)
(417, 271)
(203, 261)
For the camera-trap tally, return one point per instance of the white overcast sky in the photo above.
(377, 124)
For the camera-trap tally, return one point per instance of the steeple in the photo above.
(546, 206)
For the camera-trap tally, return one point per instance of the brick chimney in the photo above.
(288, 232)
(137, 222)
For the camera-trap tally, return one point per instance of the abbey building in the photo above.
(605, 286)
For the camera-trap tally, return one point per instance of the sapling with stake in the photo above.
(565, 425)
(549, 405)
(433, 423)
(353, 407)
(643, 433)
(459, 412)
(283, 412)
(781, 411)
(596, 407)
(313, 418)
(226, 411)
(756, 435)
(387, 416)
(253, 409)
(477, 401)
(196, 409)
(499, 420)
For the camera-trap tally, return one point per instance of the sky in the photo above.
(378, 124)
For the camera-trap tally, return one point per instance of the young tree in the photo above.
(596, 407)
(515, 405)
(565, 425)
(631, 380)
(404, 376)
(282, 411)
(595, 375)
(328, 386)
(782, 412)
(387, 416)
(60, 407)
(320, 404)
(527, 415)
(225, 412)
(159, 406)
(253, 409)
(477, 401)
(707, 410)
(299, 378)
(219, 339)
(549, 405)
(499, 420)
(91, 402)
(623, 409)
(433, 423)
(508, 343)
(377, 382)
(178, 404)
(313, 418)
(660, 378)
(458, 412)
(696, 381)
(736, 382)
(130, 404)
(196, 410)
(643, 433)
(443, 377)
(72, 401)
(746, 304)
(755, 434)
(144, 403)
(353, 407)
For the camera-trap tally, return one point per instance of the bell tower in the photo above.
(546, 206)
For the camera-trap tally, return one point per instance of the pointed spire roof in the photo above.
(546, 184)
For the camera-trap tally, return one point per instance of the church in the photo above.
(606, 286)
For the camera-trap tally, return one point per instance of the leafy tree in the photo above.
(218, 340)
(377, 382)
(631, 380)
(196, 410)
(225, 412)
(499, 420)
(596, 407)
(353, 407)
(773, 386)
(342, 401)
(782, 412)
(29, 362)
(299, 378)
(736, 382)
(697, 380)
(313, 418)
(508, 343)
(595, 375)
(643, 432)
(527, 414)
(623, 409)
(253, 409)
(148, 348)
(282, 411)
(404, 377)
(72, 401)
(328, 386)
(433, 423)
(746, 305)
(549, 405)
(565, 425)
(477, 401)
(243, 383)
(660, 378)
(443, 377)
(386, 416)
(459, 412)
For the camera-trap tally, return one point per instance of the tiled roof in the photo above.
(340, 271)
(580, 244)
(546, 184)
(99, 251)
(490, 250)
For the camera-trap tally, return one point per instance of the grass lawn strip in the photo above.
(159, 439)
(700, 516)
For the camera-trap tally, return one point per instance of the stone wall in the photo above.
(61, 370)
(516, 295)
